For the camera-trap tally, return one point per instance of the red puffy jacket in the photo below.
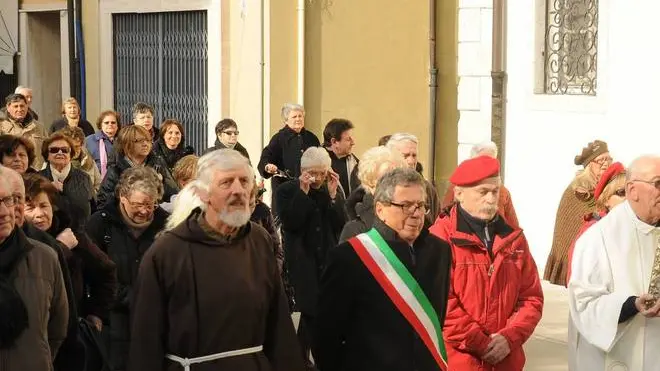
(487, 296)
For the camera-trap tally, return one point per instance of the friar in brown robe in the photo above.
(209, 293)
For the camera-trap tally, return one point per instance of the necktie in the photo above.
(104, 157)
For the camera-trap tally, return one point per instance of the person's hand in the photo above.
(271, 169)
(68, 238)
(59, 185)
(333, 183)
(497, 350)
(96, 321)
(642, 304)
(305, 181)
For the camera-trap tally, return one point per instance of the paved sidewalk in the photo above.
(546, 349)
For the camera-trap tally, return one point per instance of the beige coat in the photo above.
(41, 286)
(33, 131)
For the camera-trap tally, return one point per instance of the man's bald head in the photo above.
(17, 186)
(643, 188)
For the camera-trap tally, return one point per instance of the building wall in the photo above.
(544, 133)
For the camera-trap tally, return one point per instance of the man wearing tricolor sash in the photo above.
(384, 292)
(495, 296)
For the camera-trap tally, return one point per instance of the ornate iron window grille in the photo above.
(571, 47)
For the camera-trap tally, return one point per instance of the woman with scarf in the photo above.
(81, 159)
(100, 145)
(170, 145)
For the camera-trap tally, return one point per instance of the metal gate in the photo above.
(161, 59)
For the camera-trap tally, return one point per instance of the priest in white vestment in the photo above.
(610, 326)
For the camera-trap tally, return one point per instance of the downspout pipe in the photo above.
(72, 46)
(301, 52)
(262, 66)
(499, 79)
(80, 53)
(433, 89)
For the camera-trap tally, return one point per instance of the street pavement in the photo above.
(546, 349)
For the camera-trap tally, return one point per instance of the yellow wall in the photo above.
(90, 25)
(369, 63)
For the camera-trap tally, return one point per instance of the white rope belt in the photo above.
(186, 362)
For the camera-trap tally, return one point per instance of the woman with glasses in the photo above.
(92, 272)
(312, 216)
(134, 150)
(577, 201)
(80, 157)
(99, 144)
(610, 191)
(360, 204)
(226, 132)
(124, 229)
(73, 184)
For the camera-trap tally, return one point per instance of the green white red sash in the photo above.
(404, 291)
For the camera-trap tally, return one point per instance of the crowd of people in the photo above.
(120, 249)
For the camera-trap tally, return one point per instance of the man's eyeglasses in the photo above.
(230, 133)
(9, 201)
(55, 150)
(409, 208)
(655, 183)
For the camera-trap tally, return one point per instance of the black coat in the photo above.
(361, 214)
(78, 193)
(311, 224)
(238, 147)
(107, 230)
(171, 157)
(284, 151)
(107, 192)
(358, 326)
(62, 122)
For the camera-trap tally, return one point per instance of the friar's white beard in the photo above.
(237, 218)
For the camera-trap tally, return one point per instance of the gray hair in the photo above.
(141, 179)
(404, 177)
(315, 157)
(184, 203)
(640, 166)
(220, 160)
(489, 147)
(288, 107)
(20, 88)
(372, 160)
(397, 138)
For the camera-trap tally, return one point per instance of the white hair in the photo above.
(21, 87)
(371, 162)
(315, 157)
(220, 160)
(184, 203)
(489, 147)
(288, 107)
(641, 166)
(397, 138)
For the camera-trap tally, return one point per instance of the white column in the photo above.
(475, 26)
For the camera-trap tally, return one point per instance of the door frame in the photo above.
(214, 39)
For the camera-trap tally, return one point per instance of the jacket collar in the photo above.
(461, 235)
(390, 234)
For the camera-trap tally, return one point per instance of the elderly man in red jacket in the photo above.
(495, 297)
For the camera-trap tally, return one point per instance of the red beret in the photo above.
(612, 171)
(475, 170)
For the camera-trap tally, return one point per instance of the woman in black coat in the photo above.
(71, 116)
(133, 148)
(312, 216)
(226, 132)
(170, 145)
(280, 159)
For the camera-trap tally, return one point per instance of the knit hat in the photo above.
(475, 170)
(609, 174)
(590, 152)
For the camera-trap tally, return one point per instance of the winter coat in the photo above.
(493, 291)
(263, 216)
(86, 163)
(92, 145)
(31, 129)
(38, 280)
(361, 214)
(78, 193)
(284, 151)
(107, 230)
(199, 294)
(311, 224)
(589, 220)
(171, 157)
(351, 169)
(238, 147)
(62, 122)
(107, 192)
(70, 357)
(359, 327)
